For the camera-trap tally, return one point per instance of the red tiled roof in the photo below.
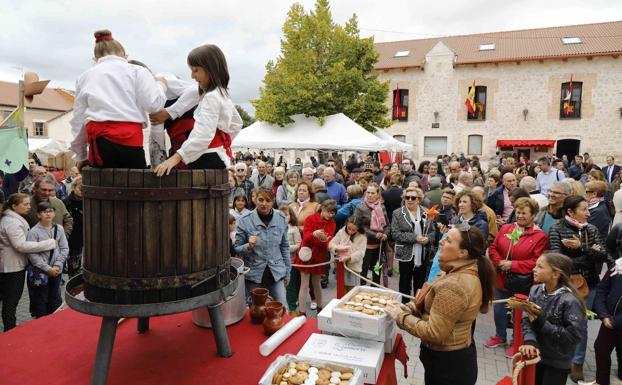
(529, 44)
(54, 99)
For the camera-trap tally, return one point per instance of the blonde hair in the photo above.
(523, 202)
(107, 46)
(597, 186)
(575, 186)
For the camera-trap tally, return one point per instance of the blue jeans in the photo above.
(500, 313)
(277, 291)
(579, 353)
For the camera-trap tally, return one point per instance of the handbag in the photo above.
(579, 282)
(36, 277)
(517, 283)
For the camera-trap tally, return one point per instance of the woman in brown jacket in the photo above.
(443, 314)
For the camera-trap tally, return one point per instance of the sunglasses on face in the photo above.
(411, 198)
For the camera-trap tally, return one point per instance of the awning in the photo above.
(525, 143)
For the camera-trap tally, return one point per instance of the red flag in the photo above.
(470, 100)
(396, 103)
(568, 107)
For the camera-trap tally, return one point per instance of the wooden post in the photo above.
(341, 291)
(527, 376)
(21, 107)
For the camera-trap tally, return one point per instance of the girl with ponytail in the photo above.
(555, 332)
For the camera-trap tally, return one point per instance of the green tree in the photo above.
(247, 120)
(323, 69)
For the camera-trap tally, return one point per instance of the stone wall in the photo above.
(511, 88)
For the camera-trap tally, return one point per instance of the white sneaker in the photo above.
(587, 382)
(313, 306)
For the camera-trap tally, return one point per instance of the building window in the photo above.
(402, 53)
(401, 138)
(434, 145)
(475, 145)
(400, 105)
(480, 104)
(39, 128)
(487, 47)
(570, 100)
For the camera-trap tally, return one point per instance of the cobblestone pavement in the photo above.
(493, 365)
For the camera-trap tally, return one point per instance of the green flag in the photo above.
(13, 150)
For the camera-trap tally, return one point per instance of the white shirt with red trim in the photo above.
(113, 90)
(215, 111)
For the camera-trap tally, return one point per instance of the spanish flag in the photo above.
(470, 100)
(568, 105)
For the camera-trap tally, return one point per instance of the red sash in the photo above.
(128, 134)
(223, 139)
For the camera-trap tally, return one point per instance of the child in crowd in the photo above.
(109, 108)
(349, 246)
(294, 239)
(45, 298)
(556, 331)
(216, 121)
(239, 206)
(233, 223)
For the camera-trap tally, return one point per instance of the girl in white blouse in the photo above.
(217, 121)
(109, 108)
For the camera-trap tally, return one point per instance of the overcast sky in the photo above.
(55, 38)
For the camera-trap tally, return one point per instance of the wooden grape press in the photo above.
(153, 246)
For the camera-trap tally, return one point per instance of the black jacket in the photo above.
(608, 300)
(76, 239)
(585, 258)
(600, 217)
(403, 233)
(495, 200)
(479, 220)
(392, 200)
(616, 170)
(558, 329)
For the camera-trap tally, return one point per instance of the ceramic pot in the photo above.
(259, 297)
(274, 317)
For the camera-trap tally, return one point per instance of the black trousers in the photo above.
(411, 278)
(117, 156)
(44, 300)
(369, 261)
(548, 375)
(209, 161)
(606, 341)
(458, 367)
(11, 288)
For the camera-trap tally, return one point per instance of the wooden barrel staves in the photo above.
(149, 239)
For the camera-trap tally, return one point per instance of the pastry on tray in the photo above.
(369, 303)
(305, 373)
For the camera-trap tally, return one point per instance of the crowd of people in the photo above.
(459, 234)
(463, 233)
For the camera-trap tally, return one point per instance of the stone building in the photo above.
(522, 102)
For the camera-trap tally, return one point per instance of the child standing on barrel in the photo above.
(217, 121)
(109, 108)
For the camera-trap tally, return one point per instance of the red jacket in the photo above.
(530, 246)
(318, 248)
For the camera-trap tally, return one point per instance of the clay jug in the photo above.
(274, 317)
(259, 296)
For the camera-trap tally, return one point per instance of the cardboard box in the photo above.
(390, 342)
(325, 317)
(281, 361)
(356, 324)
(365, 355)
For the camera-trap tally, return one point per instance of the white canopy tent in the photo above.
(394, 145)
(45, 148)
(339, 133)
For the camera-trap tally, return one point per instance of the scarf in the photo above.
(377, 222)
(301, 205)
(575, 223)
(594, 202)
(289, 190)
(418, 247)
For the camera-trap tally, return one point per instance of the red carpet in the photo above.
(60, 349)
